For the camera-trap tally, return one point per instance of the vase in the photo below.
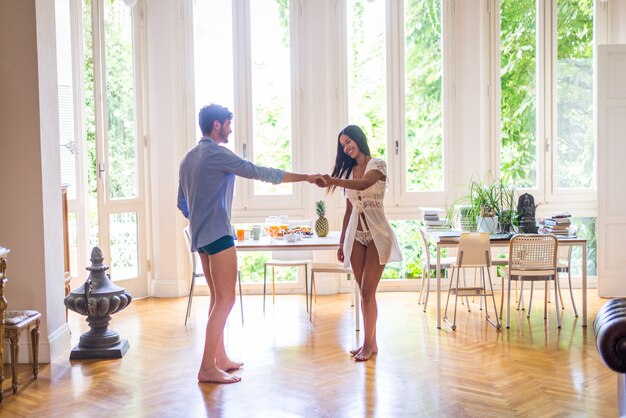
(489, 224)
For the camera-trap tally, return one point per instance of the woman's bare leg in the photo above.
(222, 360)
(223, 273)
(367, 271)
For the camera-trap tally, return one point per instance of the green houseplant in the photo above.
(487, 206)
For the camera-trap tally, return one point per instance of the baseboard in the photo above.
(165, 288)
(56, 344)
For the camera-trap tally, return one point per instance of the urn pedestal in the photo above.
(98, 298)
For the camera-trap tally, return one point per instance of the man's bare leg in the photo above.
(223, 273)
(221, 358)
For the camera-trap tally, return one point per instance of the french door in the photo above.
(108, 79)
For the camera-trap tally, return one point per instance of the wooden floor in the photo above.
(294, 368)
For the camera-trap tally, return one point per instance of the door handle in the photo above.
(101, 169)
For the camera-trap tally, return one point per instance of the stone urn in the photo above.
(98, 298)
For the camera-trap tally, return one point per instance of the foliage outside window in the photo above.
(367, 93)
(518, 54)
(271, 89)
(423, 104)
(575, 151)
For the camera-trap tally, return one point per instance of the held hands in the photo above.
(318, 179)
(324, 181)
(321, 180)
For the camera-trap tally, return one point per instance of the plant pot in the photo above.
(489, 225)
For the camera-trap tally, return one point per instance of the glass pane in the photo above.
(123, 241)
(519, 91)
(586, 228)
(120, 91)
(68, 151)
(423, 105)
(72, 232)
(271, 89)
(367, 71)
(213, 83)
(575, 151)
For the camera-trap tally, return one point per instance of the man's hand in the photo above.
(318, 179)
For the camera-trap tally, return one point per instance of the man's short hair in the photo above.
(211, 113)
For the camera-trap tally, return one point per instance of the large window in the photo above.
(253, 78)
(546, 77)
(403, 126)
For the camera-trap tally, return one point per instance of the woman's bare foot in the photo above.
(364, 354)
(358, 350)
(216, 375)
(228, 364)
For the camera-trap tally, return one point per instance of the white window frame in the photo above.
(547, 195)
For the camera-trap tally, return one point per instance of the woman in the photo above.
(367, 241)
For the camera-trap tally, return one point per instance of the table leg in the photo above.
(438, 308)
(584, 263)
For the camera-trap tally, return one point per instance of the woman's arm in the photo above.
(363, 183)
(295, 177)
(344, 226)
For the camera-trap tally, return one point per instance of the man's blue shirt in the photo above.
(205, 189)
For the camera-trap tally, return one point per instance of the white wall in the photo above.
(30, 213)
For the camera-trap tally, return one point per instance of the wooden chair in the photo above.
(286, 262)
(429, 264)
(338, 269)
(533, 258)
(196, 272)
(473, 252)
(14, 323)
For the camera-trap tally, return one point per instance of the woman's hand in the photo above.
(318, 179)
(340, 253)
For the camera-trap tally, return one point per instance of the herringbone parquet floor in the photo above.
(294, 368)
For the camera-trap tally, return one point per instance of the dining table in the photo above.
(450, 239)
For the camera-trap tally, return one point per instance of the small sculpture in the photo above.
(526, 209)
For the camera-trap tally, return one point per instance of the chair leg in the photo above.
(427, 289)
(264, 284)
(34, 338)
(193, 282)
(306, 288)
(571, 292)
(508, 304)
(240, 295)
(419, 299)
(493, 299)
(15, 352)
(501, 295)
(310, 295)
(273, 286)
(556, 300)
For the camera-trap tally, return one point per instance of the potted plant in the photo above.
(487, 206)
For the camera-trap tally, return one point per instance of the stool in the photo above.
(14, 323)
(286, 263)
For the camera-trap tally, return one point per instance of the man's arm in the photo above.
(182, 202)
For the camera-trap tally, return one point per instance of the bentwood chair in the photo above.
(287, 259)
(429, 264)
(473, 252)
(197, 272)
(533, 258)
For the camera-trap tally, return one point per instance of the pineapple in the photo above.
(321, 224)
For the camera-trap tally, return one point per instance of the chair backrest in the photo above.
(474, 250)
(533, 252)
(425, 251)
(564, 254)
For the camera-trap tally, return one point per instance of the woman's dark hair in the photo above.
(343, 162)
(211, 113)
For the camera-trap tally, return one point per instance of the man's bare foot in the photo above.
(228, 364)
(216, 375)
(358, 350)
(364, 354)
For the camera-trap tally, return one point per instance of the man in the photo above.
(205, 195)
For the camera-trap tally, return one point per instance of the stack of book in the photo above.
(431, 219)
(556, 224)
